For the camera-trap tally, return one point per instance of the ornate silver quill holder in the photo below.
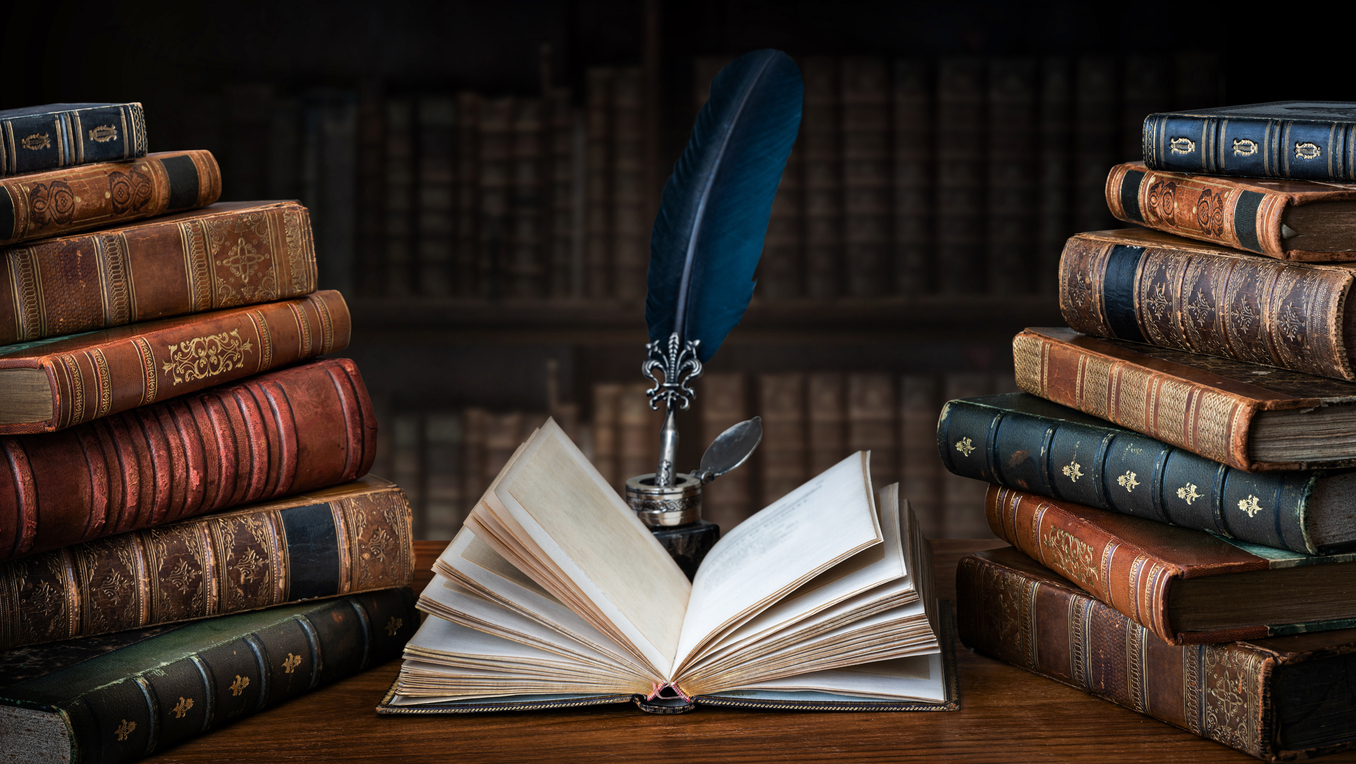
(669, 502)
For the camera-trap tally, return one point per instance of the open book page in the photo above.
(794, 539)
(584, 529)
(918, 678)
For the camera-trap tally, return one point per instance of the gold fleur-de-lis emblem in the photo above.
(1188, 493)
(36, 142)
(1251, 505)
(1307, 150)
(1182, 145)
(393, 625)
(1073, 470)
(182, 707)
(1128, 481)
(1244, 147)
(103, 133)
(965, 446)
(124, 730)
(290, 663)
(239, 685)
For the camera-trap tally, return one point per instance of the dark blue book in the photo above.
(38, 138)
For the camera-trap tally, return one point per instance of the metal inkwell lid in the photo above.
(680, 502)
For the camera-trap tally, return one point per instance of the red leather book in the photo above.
(70, 199)
(234, 253)
(1186, 586)
(342, 540)
(53, 384)
(276, 434)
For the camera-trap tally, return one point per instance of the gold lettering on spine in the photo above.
(206, 356)
(104, 379)
(1070, 556)
(1231, 697)
(149, 379)
(25, 282)
(76, 412)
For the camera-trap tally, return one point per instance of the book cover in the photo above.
(1145, 286)
(1284, 219)
(1248, 416)
(1310, 140)
(228, 254)
(1277, 699)
(52, 384)
(1184, 585)
(55, 202)
(58, 135)
(125, 696)
(342, 540)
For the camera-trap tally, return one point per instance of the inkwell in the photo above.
(704, 248)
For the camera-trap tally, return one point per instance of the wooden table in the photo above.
(1006, 715)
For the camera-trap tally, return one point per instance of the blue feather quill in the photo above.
(714, 213)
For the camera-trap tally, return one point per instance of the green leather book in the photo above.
(121, 697)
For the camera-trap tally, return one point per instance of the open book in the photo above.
(555, 594)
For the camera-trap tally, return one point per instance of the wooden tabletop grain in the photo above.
(1007, 715)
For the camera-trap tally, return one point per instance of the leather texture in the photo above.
(57, 202)
(1019, 441)
(1235, 212)
(1011, 609)
(225, 563)
(1147, 286)
(284, 432)
(60, 135)
(229, 254)
(1203, 404)
(100, 373)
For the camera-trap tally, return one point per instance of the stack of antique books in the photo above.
(173, 450)
(1172, 479)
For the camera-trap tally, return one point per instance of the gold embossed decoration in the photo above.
(393, 626)
(241, 250)
(1210, 211)
(1073, 471)
(1251, 505)
(965, 446)
(239, 685)
(36, 142)
(103, 133)
(206, 356)
(1244, 147)
(182, 707)
(1188, 493)
(124, 730)
(1070, 555)
(290, 663)
(1307, 150)
(1182, 145)
(1128, 481)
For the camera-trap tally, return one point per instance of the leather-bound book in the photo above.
(1245, 415)
(1185, 585)
(125, 696)
(229, 254)
(65, 134)
(1020, 441)
(54, 384)
(342, 540)
(1277, 699)
(276, 434)
(963, 500)
(1284, 219)
(1147, 286)
(56, 202)
(1308, 140)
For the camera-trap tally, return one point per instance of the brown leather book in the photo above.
(342, 540)
(1147, 286)
(276, 434)
(79, 198)
(1278, 699)
(53, 384)
(1247, 416)
(234, 253)
(1185, 585)
(1284, 219)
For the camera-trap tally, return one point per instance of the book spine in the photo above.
(407, 465)
(436, 171)
(1251, 146)
(74, 199)
(631, 240)
(398, 226)
(1252, 309)
(227, 563)
(867, 230)
(277, 434)
(106, 133)
(1010, 240)
(496, 160)
(961, 176)
(1177, 411)
(526, 270)
(962, 501)
(1198, 207)
(156, 269)
(872, 426)
(468, 196)
(823, 170)
(1114, 571)
(784, 460)
(185, 357)
(1055, 168)
(914, 264)
(1221, 692)
(193, 694)
(598, 212)
(1124, 472)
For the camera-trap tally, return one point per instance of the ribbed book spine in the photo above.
(226, 256)
(50, 140)
(1243, 146)
(1093, 466)
(276, 434)
(345, 540)
(57, 202)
